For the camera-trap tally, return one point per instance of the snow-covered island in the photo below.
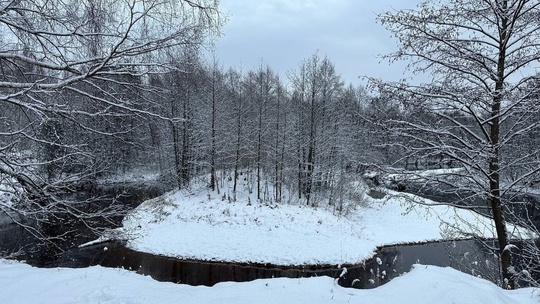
(205, 225)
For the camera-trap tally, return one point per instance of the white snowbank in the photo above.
(420, 175)
(206, 226)
(133, 176)
(7, 195)
(407, 218)
(22, 284)
(194, 227)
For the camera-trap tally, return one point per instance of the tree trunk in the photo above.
(494, 168)
(176, 146)
(311, 149)
(213, 135)
(185, 174)
(259, 152)
(277, 181)
(237, 154)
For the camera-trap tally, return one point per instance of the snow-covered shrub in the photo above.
(349, 192)
(160, 207)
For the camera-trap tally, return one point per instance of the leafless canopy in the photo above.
(68, 64)
(480, 110)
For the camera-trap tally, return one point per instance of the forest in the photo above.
(96, 89)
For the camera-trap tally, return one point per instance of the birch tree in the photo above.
(480, 57)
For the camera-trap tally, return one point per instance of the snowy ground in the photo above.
(133, 176)
(424, 284)
(205, 225)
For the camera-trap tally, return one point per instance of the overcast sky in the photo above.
(282, 33)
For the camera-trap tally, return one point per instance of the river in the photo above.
(470, 256)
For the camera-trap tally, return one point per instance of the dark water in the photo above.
(389, 262)
(191, 272)
(64, 233)
(469, 256)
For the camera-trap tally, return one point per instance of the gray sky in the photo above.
(282, 33)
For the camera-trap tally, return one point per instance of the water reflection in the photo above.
(467, 255)
(64, 231)
(470, 256)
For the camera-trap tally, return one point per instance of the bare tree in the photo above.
(480, 57)
(181, 88)
(316, 87)
(279, 116)
(237, 115)
(68, 65)
(306, 96)
(216, 91)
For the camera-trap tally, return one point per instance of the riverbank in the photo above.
(22, 283)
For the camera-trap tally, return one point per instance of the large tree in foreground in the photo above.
(482, 98)
(68, 71)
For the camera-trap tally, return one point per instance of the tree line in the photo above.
(297, 134)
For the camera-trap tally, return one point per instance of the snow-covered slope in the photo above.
(195, 227)
(22, 284)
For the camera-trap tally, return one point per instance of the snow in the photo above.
(420, 175)
(7, 196)
(509, 247)
(205, 225)
(406, 218)
(197, 228)
(22, 283)
(132, 176)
